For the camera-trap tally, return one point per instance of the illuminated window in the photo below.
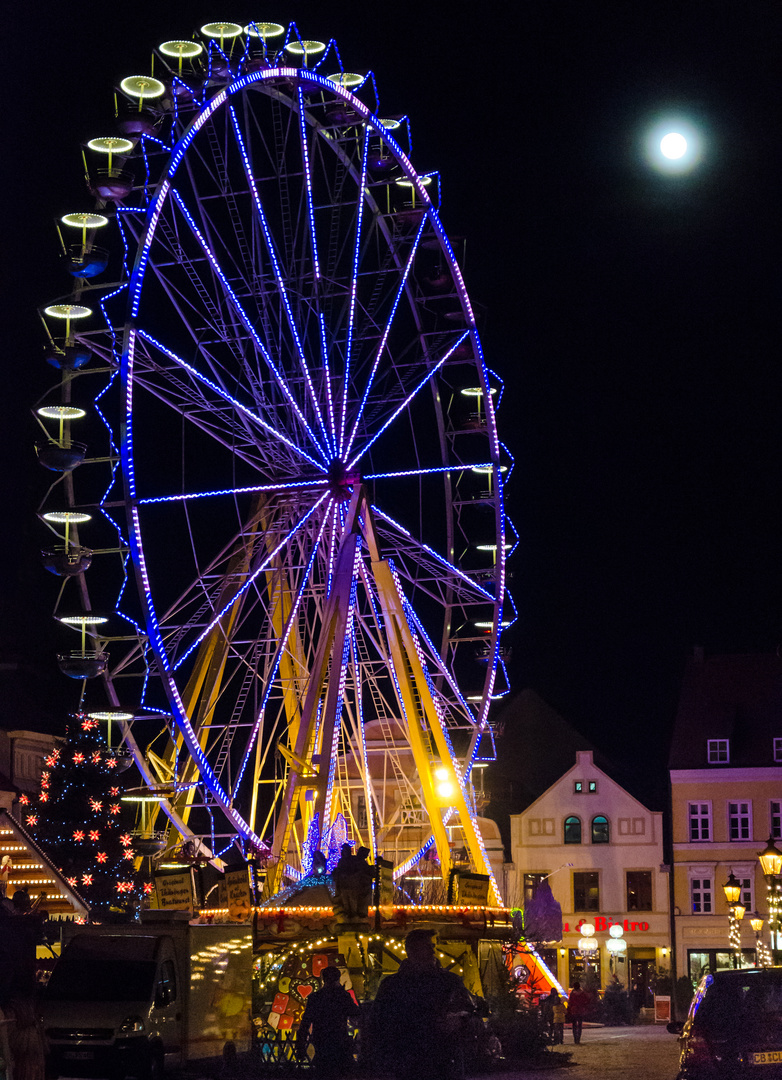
(718, 751)
(592, 787)
(586, 890)
(531, 883)
(578, 786)
(700, 821)
(739, 821)
(777, 749)
(572, 830)
(639, 890)
(600, 830)
(700, 894)
(775, 818)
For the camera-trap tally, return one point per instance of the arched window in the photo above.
(600, 830)
(572, 830)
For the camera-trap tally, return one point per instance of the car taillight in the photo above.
(698, 1049)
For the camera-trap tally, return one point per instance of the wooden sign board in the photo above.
(385, 877)
(175, 891)
(240, 899)
(472, 889)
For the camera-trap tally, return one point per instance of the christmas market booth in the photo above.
(325, 921)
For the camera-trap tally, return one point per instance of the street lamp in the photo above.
(761, 952)
(588, 944)
(732, 890)
(616, 944)
(771, 863)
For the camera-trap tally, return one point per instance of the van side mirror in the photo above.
(676, 1027)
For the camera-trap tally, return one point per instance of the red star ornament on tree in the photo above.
(101, 857)
(126, 839)
(94, 834)
(115, 808)
(78, 757)
(95, 804)
(78, 835)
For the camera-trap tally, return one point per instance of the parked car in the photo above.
(734, 1027)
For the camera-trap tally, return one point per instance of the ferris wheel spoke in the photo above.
(353, 289)
(245, 319)
(251, 578)
(427, 554)
(270, 488)
(276, 263)
(387, 330)
(282, 644)
(413, 393)
(229, 399)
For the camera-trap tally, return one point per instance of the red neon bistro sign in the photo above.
(601, 924)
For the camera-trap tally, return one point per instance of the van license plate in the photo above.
(79, 1055)
(767, 1057)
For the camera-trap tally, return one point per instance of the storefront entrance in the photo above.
(578, 967)
(641, 981)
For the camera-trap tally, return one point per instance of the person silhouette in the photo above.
(418, 1014)
(325, 1024)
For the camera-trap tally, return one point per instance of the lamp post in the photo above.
(771, 863)
(732, 890)
(588, 944)
(616, 944)
(761, 952)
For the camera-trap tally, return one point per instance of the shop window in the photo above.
(739, 821)
(701, 895)
(531, 883)
(586, 890)
(718, 751)
(572, 830)
(600, 830)
(700, 821)
(639, 890)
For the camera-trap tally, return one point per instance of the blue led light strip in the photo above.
(228, 398)
(426, 472)
(281, 646)
(324, 349)
(353, 290)
(435, 555)
(278, 275)
(305, 153)
(386, 332)
(432, 371)
(234, 491)
(245, 319)
(240, 592)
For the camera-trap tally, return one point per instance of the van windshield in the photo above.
(105, 978)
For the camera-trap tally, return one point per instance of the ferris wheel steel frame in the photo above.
(313, 700)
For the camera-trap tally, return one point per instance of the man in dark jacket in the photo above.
(418, 1014)
(326, 1015)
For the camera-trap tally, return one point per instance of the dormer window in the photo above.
(718, 751)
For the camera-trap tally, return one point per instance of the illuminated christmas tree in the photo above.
(80, 822)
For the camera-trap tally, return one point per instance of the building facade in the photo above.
(726, 800)
(602, 853)
(22, 754)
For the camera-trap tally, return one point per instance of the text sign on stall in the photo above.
(240, 900)
(472, 889)
(175, 891)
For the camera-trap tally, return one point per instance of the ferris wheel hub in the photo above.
(341, 480)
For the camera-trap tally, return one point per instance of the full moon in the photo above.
(673, 146)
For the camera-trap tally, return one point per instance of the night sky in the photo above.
(633, 316)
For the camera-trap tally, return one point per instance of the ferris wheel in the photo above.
(302, 438)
